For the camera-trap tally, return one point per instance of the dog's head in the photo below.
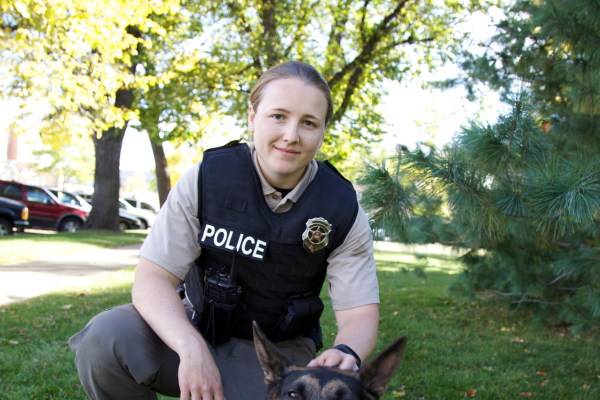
(287, 381)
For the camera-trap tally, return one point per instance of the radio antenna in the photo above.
(232, 276)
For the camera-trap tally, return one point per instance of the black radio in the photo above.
(221, 297)
(221, 286)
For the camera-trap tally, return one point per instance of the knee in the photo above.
(106, 335)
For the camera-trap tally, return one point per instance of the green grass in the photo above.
(455, 345)
(31, 246)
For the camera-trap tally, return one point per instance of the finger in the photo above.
(315, 362)
(219, 394)
(185, 394)
(349, 364)
(332, 361)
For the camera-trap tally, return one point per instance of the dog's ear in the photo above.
(274, 363)
(377, 373)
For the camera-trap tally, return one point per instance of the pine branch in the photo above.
(512, 135)
(571, 245)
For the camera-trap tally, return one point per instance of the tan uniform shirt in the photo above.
(173, 239)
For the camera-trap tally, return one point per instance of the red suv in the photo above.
(45, 211)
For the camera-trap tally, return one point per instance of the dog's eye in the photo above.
(293, 395)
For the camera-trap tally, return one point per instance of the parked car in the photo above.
(142, 205)
(13, 214)
(70, 198)
(45, 210)
(146, 217)
(126, 221)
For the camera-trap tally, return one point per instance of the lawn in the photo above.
(31, 246)
(457, 347)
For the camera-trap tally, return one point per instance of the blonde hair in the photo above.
(293, 69)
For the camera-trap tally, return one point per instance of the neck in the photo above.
(282, 181)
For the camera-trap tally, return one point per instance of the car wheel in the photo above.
(143, 224)
(123, 226)
(70, 225)
(5, 227)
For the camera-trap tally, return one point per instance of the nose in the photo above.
(291, 133)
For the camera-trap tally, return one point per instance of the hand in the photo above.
(335, 358)
(199, 376)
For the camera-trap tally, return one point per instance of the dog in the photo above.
(287, 381)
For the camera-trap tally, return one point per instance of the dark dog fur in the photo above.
(286, 381)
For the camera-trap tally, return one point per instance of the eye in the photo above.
(278, 116)
(293, 395)
(309, 123)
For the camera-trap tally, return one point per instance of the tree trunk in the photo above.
(105, 203)
(163, 177)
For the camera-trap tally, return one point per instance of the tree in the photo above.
(551, 46)
(524, 193)
(70, 157)
(77, 57)
(358, 45)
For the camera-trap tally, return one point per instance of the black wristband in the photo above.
(345, 349)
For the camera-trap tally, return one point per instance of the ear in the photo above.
(251, 116)
(377, 373)
(275, 365)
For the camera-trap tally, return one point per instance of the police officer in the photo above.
(284, 219)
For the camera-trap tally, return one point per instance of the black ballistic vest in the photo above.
(271, 262)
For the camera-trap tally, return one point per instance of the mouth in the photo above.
(287, 152)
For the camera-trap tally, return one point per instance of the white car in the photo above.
(146, 217)
(142, 205)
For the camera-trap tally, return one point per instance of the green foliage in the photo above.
(223, 48)
(71, 157)
(527, 213)
(553, 46)
(75, 56)
(524, 194)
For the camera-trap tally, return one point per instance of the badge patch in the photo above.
(316, 235)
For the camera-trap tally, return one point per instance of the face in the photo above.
(288, 127)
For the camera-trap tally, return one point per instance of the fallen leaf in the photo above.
(517, 340)
(64, 345)
(396, 312)
(14, 342)
(460, 343)
(67, 306)
(543, 373)
(543, 383)
(527, 351)
(412, 296)
(447, 301)
(586, 387)
(471, 393)
(2, 310)
(399, 393)
(525, 394)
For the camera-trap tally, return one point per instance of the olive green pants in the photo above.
(118, 356)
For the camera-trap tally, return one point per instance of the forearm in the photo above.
(357, 328)
(156, 300)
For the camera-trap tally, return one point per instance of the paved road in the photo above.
(27, 279)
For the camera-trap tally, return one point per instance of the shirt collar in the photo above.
(294, 195)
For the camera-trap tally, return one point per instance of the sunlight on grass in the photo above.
(31, 246)
(455, 344)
